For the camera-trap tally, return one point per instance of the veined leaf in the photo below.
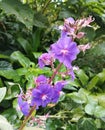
(93, 83)
(10, 74)
(82, 77)
(24, 61)
(86, 124)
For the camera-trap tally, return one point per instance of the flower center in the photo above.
(44, 97)
(64, 51)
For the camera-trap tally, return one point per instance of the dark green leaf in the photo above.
(22, 11)
(86, 124)
(40, 20)
(25, 45)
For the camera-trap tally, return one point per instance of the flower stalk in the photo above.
(27, 118)
(33, 108)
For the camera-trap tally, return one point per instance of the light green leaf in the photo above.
(10, 74)
(90, 108)
(99, 112)
(76, 98)
(24, 61)
(37, 54)
(82, 77)
(4, 56)
(101, 76)
(2, 93)
(4, 125)
(93, 82)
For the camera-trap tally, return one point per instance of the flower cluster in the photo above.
(43, 94)
(72, 28)
(65, 50)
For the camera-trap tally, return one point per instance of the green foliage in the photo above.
(23, 13)
(26, 31)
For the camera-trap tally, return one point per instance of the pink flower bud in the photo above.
(80, 35)
(84, 47)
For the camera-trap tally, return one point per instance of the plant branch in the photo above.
(27, 118)
(55, 72)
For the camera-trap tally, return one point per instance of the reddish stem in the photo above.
(27, 118)
(55, 72)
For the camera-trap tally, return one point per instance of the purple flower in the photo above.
(24, 106)
(42, 95)
(69, 21)
(45, 59)
(40, 80)
(56, 91)
(65, 50)
(71, 73)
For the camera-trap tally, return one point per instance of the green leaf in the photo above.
(93, 82)
(82, 77)
(4, 56)
(37, 54)
(22, 71)
(54, 124)
(13, 91)
(10, 74)
(71, 127)
(76, 98)
(101, 76)
(4, 125)
(22, 11)
(25, 45)
(90, 108)
(2, 93)
(36, 39)
(10, 114)
(86, 124)
(99, 112)
(24, 61)
(40, 20)
(90, 33)
(4, 65)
